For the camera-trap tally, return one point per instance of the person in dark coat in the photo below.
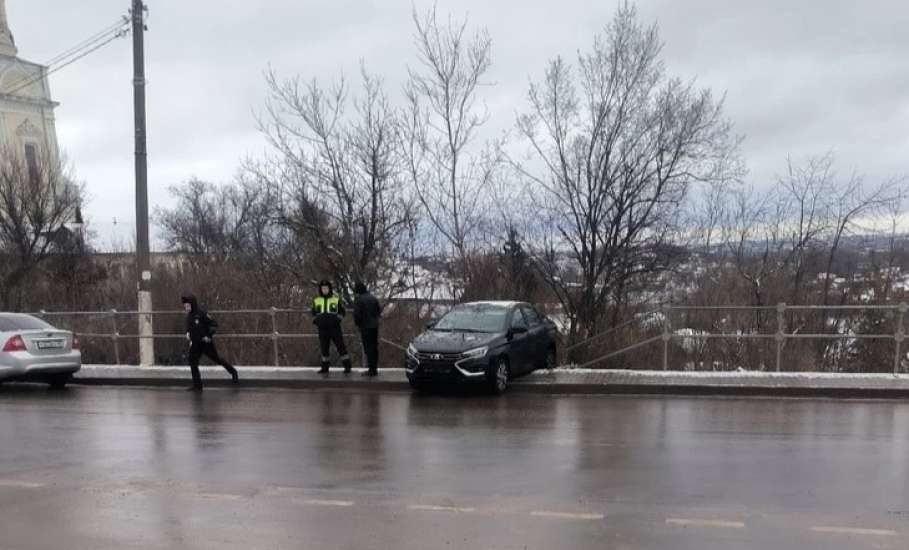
(200, 331)
(367, 314)
(327, 313)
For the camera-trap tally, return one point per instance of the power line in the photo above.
(119, 24)
(86, 48)
(40, 77)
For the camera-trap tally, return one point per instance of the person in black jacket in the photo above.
(327, 313)
(200, 331)
(367, 313)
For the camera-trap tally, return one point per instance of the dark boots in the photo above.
(234, 375)
(197, 377)
(345, 361)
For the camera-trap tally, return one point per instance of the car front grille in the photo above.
(438, 363)
(438, 357)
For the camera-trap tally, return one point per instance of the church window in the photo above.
(31, 161)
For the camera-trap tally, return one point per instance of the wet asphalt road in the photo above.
(104, 468)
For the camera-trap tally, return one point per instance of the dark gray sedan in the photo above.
(35, 351)
(482, 342)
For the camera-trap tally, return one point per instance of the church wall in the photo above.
(26, 113)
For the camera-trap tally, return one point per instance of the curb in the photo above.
(710, 391)
(559, 381)
(250, 377)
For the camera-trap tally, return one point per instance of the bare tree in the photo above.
(787, 242)
(753, 235)
(235, 227)
(771, 234)
(804, 194)
(854, 204)
(707, 210)
(72, 274)
(866, 355)
(894, 211)
(37, 200)
(618, 144)
(441, 125)
(341, 177)
(219, 223)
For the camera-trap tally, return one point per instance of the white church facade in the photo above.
(26, 108)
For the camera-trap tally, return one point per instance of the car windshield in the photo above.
(11, 322)
(474, 318)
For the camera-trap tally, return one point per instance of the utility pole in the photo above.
(143, 264)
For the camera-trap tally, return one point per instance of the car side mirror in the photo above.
(514, 331)
(431, 325)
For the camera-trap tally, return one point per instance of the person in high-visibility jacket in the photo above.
(327, 313)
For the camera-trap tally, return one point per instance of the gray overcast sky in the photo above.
(801, 77)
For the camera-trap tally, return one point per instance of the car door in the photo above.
(520, 345)
(537, 336)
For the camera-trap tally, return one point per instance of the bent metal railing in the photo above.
(116, 337)
(663, 318)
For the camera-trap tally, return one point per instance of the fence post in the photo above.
(899, 336)
(667, 334)
(780, 337)
(274, 334)
(115, 336)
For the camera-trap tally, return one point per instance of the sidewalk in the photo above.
(558, 381)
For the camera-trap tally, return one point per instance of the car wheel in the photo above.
(59, 382)
(498, 380)
(552, 359)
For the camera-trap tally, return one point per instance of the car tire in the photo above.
(499, 376)
(60, 381)
(551, 360)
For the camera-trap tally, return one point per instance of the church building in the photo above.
(26, 109)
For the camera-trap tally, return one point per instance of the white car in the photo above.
(34, 351)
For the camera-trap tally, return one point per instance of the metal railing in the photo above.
(116, 337)
(659, 320)
(780, 336)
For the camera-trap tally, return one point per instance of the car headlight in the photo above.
(476, 353)
(411, 351)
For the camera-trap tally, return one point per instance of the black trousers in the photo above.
(196, 351)
(329, 336)
(370, 338)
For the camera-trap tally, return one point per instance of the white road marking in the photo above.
(335, 503)
(566, 515)
(13, 483)
(282, 491)
(575, 443)
(678, 522)
(855, 531)
(217, 496)
(432, 508)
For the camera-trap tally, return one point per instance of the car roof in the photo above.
(11, 321)
(15, 315)
(500, 303)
